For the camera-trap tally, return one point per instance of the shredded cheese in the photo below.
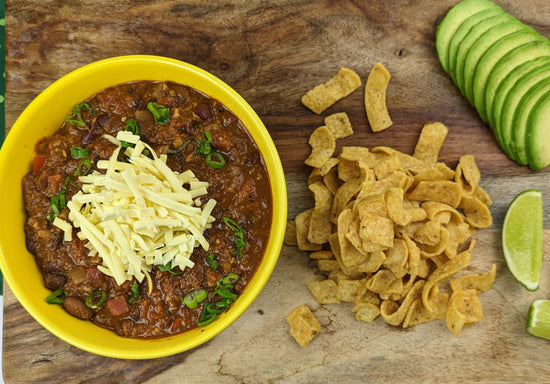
(138, 214)
(65, 227)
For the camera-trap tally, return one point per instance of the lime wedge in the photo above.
(522, 238)
(538, 319)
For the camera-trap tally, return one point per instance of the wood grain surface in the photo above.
(272, 52)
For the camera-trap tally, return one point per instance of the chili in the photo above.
(241, 189)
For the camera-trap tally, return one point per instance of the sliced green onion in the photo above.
(132, 126)
(224, 289)
(57, 203)
(92, 299)
(60, 199)
(168, 268)
(226, 294)
(192, 299)
(181, 147)
(211, 261)
(84, 167)
(75, 118)
(161, 114)
(134, 287)
(216, 307)
(238, 236)
(206, 318)
(204, 145)
(54, 207)
(79, 152)
(56, 297)
(68, 181)
(215, 160)
(231, 278)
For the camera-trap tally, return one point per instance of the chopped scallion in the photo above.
(132, 126)
(181, 147)
(96, 299)
(79, 152)
(57, 203)
(84, 167)
(56, 297)
(224, 289)
(75, 118)
(211, 261)
(204, 145)
(215, 160)
(231, 278)
(161, 114)
(238, 236)
(192, 299)
(168, 268)
(134, 287)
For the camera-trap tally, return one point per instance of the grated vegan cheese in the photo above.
(138, 214)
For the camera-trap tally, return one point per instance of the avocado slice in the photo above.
(492, 57)
(505, 119)
(521, 116)
(481, 46)
(537, 136)
(470, 40)
(503, 88)
(452, 21)
(470, 27)
(508, 64)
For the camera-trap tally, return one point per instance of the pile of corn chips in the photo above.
(389, 230)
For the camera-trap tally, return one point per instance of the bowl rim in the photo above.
(211, 85)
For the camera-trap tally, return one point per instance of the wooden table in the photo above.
(272, 53)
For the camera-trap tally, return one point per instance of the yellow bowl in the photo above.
(41, 118)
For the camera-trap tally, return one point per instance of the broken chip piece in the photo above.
(339, 125)
(322, 144)
(375, 98)
(339, 86)
(303, 325)
(464, 309)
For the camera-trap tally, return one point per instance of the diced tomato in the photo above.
(38, 163)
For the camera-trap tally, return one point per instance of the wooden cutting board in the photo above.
(272, 53)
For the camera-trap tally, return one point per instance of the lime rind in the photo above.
(538, 319)
(522, 238)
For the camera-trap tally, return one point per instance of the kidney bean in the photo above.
(203, 111)
(54, 281)
(77, 308)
